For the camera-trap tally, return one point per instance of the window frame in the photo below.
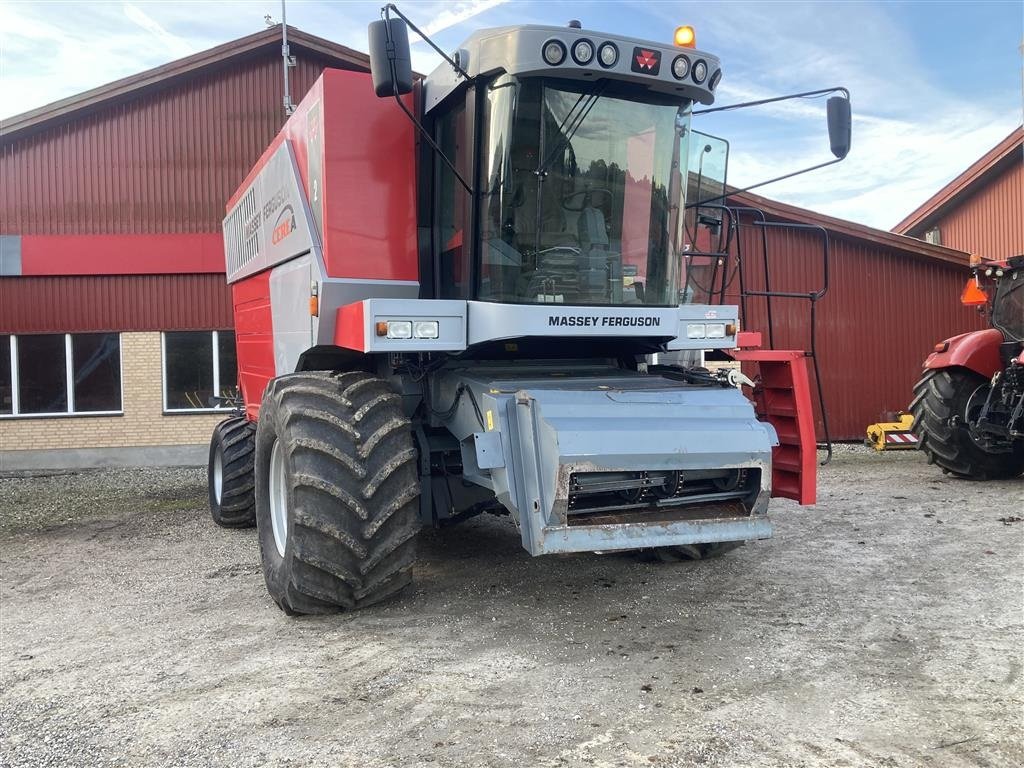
(215, 351)
(69, 380)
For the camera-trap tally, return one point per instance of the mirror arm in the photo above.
(804, 95)
(433, 144)
(732, 192)
(386, 13)
(398, 99)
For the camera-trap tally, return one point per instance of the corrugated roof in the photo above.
(988, 164)
(167, 74)
(861, 232)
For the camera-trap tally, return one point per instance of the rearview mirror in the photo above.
(839, 127)
(390, 60)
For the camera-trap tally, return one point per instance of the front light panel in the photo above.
(680, 67)
(425, 329)
(607, 55)
(700, 71)
(716, 330)
(399, 329)
(583, 52)
(695, 331)
(553, 52)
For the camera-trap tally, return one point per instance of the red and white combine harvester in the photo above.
(483, 292)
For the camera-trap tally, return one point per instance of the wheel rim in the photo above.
(218, 474)
(278, 498)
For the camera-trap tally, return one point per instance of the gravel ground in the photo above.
(882, 627)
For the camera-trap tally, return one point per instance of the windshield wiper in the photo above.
(574, 125)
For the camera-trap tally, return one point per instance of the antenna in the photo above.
(288, 61)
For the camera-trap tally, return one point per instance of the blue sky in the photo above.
(934, 84)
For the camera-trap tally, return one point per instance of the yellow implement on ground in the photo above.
(892, 435)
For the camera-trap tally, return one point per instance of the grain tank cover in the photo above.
(579, 54)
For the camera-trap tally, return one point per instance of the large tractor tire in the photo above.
(336, 491)
(230, 474)
(944, 400)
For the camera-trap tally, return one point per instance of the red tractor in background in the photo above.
(969, 406)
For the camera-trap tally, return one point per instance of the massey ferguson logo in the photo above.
(593, 321)
(285, 225)
(646, 61)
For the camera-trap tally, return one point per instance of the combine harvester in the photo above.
(481, 305)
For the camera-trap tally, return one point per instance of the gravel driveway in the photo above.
(882, 627)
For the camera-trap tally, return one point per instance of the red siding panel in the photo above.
(114, 303)
(165, 162)
(990, 222)
(883, 313)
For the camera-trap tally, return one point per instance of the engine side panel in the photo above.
(254, 339)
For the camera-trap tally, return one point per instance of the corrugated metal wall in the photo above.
(165, 162)
(884, 311)
(114, 303)
(990, 222)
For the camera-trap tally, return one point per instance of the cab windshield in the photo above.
(580, 194)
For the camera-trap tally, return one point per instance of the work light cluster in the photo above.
(697, 71)
(583, 53)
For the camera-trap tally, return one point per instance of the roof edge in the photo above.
(903, 243)
(40, 117)
(977, 171)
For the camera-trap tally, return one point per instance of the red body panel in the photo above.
(365, 199)
(254, 339)
(348, 328)
(783, 399)
(977, 351)
(153, 254)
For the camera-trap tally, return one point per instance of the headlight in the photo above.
(700, 71)
(553, 52)
(680, 67)
(607, 55)
(399, 329)
(695, 331)
(715, 79)
(425, 329)
(716, 330)
(583, 52)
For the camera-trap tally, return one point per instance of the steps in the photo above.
(782, 397)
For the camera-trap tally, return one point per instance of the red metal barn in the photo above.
(115, 319)
(890, 298)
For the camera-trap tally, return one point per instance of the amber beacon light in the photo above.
(685, 37)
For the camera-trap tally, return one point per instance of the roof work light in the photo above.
(685, 37)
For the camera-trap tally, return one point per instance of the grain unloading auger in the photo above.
(478, 306)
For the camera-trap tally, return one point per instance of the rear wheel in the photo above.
(230, 473)
(945, 402)
(336, 491)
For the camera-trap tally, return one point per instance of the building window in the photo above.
(197, 366)
(60, 374)
(933, 236)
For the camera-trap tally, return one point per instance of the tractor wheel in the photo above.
(336, 491)
(686, 552)
(944, 400)
(230, 473)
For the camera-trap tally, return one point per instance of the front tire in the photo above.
(945, 400)
(336, 492)
(230, 479)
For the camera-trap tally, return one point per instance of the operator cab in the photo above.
(574, 145)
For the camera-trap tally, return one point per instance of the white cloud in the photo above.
(175, 46)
